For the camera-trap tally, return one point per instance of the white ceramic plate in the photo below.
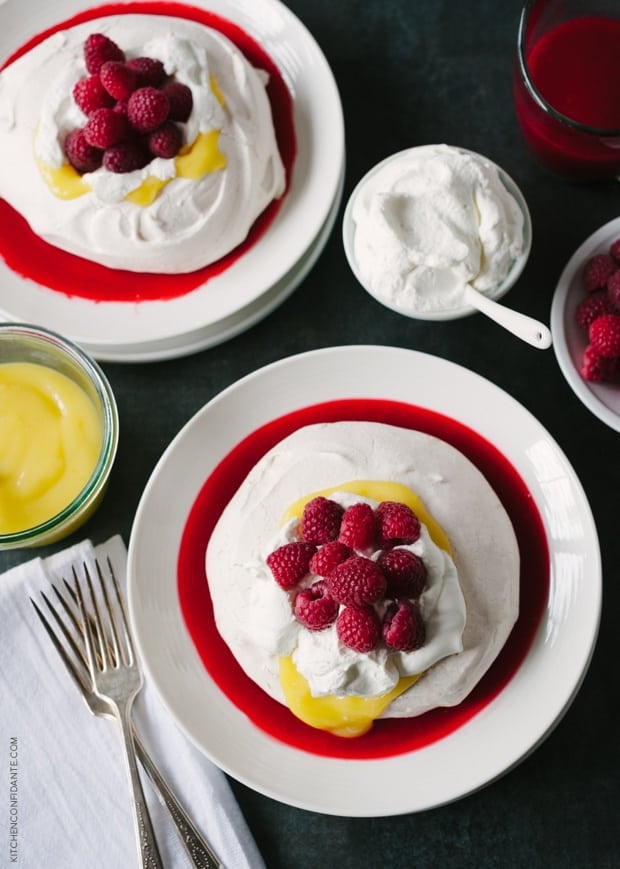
(569, 341)
(348, 237)
(229, 327)
(504, 731)
(114, 328)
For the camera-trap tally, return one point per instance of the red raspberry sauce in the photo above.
(32, 258)
(575, 67)
(392, 736)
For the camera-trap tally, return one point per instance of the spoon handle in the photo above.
(524, 327)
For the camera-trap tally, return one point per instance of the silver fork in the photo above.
(198, 851)
(116, 677)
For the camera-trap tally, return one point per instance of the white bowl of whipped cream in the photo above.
(427, 222)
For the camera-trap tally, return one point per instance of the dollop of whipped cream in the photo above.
(331, 668)
(430, 221)
(191, 223)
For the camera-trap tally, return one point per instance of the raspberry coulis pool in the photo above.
(388, 737)
(32, 258)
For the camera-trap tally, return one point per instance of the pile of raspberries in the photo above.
(598, 314)
(332, 578)
(132, 108)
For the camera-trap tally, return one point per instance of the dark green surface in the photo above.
(414, 73)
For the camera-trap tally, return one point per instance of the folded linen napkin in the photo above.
(69, 801)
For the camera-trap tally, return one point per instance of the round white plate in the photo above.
(229, 327)
(569, 341)
(498, 736)
(317, 171)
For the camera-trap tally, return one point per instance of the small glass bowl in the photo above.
(21, 342)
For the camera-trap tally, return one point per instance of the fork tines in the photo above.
(112, 648)
(71, 662)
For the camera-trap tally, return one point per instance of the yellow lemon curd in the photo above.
(50, 441)
(193, 161)
(351, 716)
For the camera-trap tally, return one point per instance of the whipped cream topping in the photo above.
(191, 223)
(333, 669)
(254, 615)
(429, 222)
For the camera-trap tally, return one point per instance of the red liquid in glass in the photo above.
(575, 67)
(31, 257)
(387, 737)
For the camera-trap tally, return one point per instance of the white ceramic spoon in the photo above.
(524, 327)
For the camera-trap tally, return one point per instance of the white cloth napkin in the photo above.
(68, 796)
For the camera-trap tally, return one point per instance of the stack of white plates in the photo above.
(263, 276)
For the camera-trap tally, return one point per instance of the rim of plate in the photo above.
(229, 327)
(569, 341)
(318, 118)
(348, 236)
(470, 757)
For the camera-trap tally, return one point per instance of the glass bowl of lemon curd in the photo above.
(58, 436)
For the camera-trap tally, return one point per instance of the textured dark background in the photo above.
(416, 72)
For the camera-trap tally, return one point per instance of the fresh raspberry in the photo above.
(591, 307)
(104, 128)
(166, 140)
(80, 154)
(89, 94)
(614, 250)
(604, 335)
(180, 99)
(403, 627)
(598, 369)
(397, 523)
(320, 521)
(147, 109)
(120, 106)
(126, 157)
(118, 79)
(613, 290)
(358, 527)
(358, 628)
(290, 563)
(597, 271)
(98, 49)
(314, 608)
(148, 70)
(404, 571)
(328, 557)
(357, 581)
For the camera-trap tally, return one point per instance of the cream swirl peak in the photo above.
(192, 221)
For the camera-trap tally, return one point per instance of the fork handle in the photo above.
(147, 844)
(198, 851)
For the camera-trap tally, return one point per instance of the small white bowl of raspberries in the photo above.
(133, 110)
(585, 322)
(598, 314)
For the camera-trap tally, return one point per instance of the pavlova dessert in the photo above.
(361, 571)
(140, 142)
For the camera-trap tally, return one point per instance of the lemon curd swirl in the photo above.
(193, 161)
(351, 716)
